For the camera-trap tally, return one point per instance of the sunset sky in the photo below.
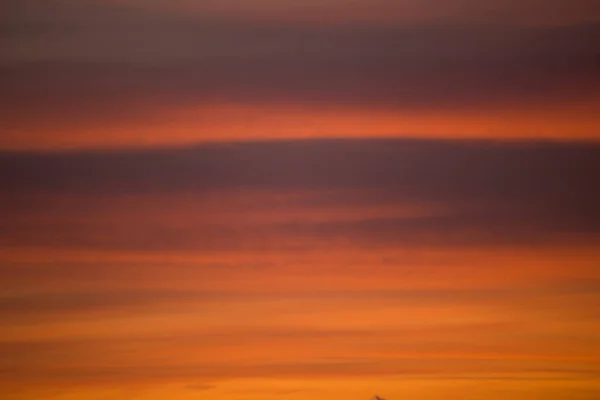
(299, 200)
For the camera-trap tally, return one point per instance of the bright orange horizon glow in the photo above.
(334, 321)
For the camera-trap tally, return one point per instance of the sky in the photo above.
(292, 200)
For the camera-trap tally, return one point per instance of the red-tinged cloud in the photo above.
(300, 193)
(84, 69)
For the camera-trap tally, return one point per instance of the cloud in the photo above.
(86, 61)
(200, 387)
(407, 368)
(201, 197)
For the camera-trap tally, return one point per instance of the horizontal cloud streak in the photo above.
(416, 67)
(393, 191)
(80, 66)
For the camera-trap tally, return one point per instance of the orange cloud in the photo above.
(239, 122)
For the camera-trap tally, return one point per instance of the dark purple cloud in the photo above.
(493, 193)
(72, 61)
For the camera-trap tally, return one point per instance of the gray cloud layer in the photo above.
(493, 193)
(85, 60)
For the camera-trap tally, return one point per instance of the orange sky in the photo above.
(267, 312)
(327, 324)
(231, 122)
(261, 200)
